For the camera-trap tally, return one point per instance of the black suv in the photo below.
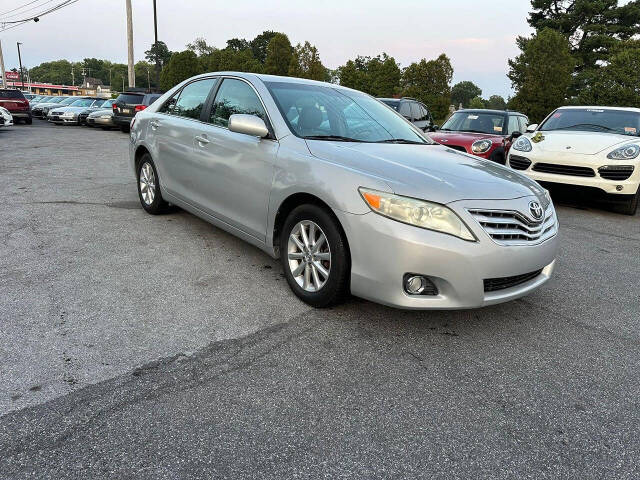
(413, 110)
(128, 104)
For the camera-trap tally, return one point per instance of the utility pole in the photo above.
(73, 77)
(110, 77)
(20, 62)
(148, 81)
(2, 75)
(132, 73)
(155, 29)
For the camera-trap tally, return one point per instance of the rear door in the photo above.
(172, 131)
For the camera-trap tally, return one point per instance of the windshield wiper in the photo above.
(402, 140)
(336, 138)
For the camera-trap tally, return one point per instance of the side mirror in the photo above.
(248, 124)
(532, 128)
(515, 135)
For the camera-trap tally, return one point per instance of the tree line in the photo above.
(582, 52)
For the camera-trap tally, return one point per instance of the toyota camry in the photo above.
(346, 192)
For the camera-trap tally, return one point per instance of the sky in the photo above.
(478, 36)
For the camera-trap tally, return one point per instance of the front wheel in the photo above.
(149, 187)
(315, 256)
(630, 206)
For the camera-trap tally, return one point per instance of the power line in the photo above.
(35, 7)
(16, 23)
(19, 8)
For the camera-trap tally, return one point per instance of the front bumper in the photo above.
(102, 122)
(60, 120)
(617, 187)
(383, 251)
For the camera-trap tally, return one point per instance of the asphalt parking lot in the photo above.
(134, 346)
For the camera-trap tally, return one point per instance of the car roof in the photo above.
(274, 78)
(487, 110)
(596, 107)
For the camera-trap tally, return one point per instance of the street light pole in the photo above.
(155, 28)
(20, 62)
(132, 74)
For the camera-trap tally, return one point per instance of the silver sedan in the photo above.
(349, 195)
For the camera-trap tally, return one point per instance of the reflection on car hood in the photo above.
(430, 172)
(70, 109)
(587, 143)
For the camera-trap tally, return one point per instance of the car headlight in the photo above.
(69, 114)
(626, 152)
(105, 116)
(481, 146)
(420, 213)
(522, 144)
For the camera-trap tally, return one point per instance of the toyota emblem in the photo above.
(536, 210)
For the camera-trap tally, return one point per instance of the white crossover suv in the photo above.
(597, 147)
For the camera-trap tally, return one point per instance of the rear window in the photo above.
(392, 103)
(130, 98)
(11, 94)
(149, 99)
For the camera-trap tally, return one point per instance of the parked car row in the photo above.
(16, 104)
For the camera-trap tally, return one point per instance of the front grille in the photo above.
(456, 147)
(564, 170)
(616, 172)
(493, 284)
(56, 113)
(507, 227)
(519, 163)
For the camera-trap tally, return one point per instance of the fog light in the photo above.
(415, 284)
(619, 188)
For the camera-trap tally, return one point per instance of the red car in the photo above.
(485, 133)
(18, 106)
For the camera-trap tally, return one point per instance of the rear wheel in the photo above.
(315, 257)
(149, 187)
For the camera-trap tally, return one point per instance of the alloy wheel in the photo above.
(309, 256)
(147, 183)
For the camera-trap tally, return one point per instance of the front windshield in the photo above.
(57, 99)
(476, 122)
(68, 101)
(84, 102)
(319, 112)
(594, 120)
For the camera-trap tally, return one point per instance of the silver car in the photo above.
(348, 194)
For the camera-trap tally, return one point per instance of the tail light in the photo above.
(139, 108)
(115, 107)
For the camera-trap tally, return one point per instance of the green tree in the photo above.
(201, 47)
(181, 66)
(430, 82)
(541, 74)
(159, 53)
(230, 60)
(477, 102)
(238, 44)
(57, 71)
(145, 72)
(496, 102)
(278, 55)
(618, 82)
(464, 92)
(593, 27)
(378, 76)
(259, 45)
(305, 63)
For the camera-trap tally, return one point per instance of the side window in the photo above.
(170, 104)
(416, 111)
(524, 122)
(192, 98)
(514, 125)
(235, 97)
(405, 109)
(425, 113)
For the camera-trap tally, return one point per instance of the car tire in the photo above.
(319, 278)
(630, 206)
(124, 129)
(149, 187)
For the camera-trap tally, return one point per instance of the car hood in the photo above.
(430, 172)
(70, 109)
(103, 111)
(46, 104)
(460, 138)
(586, 143)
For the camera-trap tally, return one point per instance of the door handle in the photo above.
(202, 140)
(154, 124)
